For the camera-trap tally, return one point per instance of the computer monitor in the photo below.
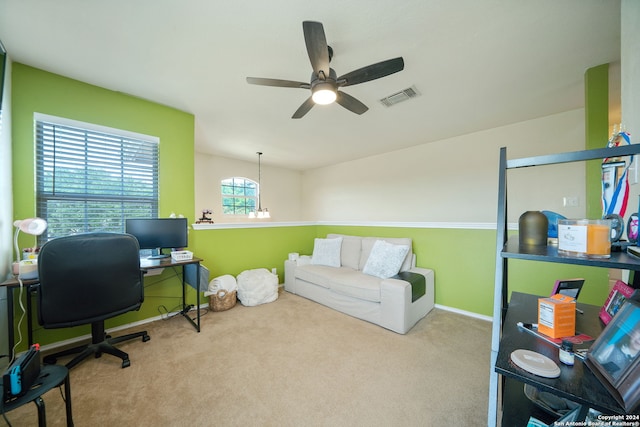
(158, 233)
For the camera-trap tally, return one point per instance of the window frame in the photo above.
(248, 207)
(101, 146)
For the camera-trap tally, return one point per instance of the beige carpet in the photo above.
(288, 363)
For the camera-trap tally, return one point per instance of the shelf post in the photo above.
(500, 288)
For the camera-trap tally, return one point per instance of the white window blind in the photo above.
(92, 180)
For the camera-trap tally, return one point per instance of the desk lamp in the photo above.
(34, 226)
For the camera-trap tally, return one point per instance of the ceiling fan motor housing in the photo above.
(321, 78)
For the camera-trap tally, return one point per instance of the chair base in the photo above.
(100, 343)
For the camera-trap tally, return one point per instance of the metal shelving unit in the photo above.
(509, 248)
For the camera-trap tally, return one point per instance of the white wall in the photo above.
(281, 188)
(453, 180)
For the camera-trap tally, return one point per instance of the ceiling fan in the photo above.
(324, 84)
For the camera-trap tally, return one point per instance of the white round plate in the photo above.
(535, 363)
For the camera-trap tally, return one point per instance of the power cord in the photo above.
(64, 399)
(24, 312)
(203, 312)
(166, 314)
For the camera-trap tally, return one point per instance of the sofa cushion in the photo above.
(350, 253)
(367, 245)
(358, 285)
(343, 280)
(327, 252)
(320, 275)
(385, 259)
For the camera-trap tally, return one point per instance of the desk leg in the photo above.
(184, 291)
(198, 295)
(185, 307)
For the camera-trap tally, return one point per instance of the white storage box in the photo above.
(181, 255)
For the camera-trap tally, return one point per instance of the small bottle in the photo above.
(566, 353)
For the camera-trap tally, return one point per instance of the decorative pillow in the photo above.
(326, 252)
(385, 259)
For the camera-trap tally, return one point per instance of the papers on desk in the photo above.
(148, 265)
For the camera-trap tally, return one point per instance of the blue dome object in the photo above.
(553, 218)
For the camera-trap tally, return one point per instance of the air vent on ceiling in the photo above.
(403, 95)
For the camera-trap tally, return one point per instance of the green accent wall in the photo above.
(596, 95)
(233, 250)
(38, 91)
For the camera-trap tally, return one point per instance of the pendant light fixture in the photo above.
(260, 213)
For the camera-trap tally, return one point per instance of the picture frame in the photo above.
(613, 173)
(569, 287)
(614, 357)
(632, 228)
(619, 293)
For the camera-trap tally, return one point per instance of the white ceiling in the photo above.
(478, 64)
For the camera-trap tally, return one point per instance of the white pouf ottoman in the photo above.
(257, 287)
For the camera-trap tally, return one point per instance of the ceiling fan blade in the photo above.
(316, 46)
(277, 82)
(372, 72)
(350, 103)
(303, 109)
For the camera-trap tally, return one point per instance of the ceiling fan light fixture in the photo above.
(324, 93)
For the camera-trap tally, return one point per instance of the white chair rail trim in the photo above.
(452, 225)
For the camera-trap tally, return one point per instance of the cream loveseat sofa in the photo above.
(373, 279)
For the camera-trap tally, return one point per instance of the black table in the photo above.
(51, 376)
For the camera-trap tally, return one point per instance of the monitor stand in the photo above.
(159, 255)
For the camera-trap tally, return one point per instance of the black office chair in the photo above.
(85, 279)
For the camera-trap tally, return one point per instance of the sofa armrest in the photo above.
(399, 313)
(290, 272)
(290, 275)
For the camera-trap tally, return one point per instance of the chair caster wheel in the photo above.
(49, 360)
(145, 338)
(126, 363)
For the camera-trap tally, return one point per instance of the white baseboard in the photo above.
(465, 313)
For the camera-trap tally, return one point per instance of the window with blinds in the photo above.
(90, 178)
